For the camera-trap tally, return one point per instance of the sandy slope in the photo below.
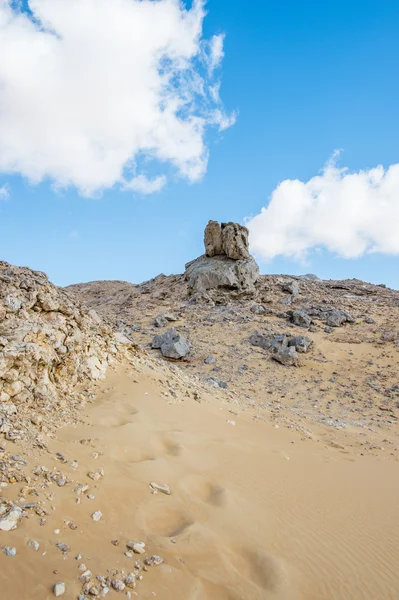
(256, 511)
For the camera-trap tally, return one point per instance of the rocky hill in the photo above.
(307, 349)
(51, 349)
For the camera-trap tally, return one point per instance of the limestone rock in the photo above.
(49, 342)
(171, 343)
(230, 239)
(221, 272)
(287, 357)
(10, 520)
(213, 239)
(301, 343)
(235, 241)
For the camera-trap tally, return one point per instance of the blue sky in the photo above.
(305, 78)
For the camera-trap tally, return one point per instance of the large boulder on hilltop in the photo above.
(49, 343)
(221, 272)
(226, 264)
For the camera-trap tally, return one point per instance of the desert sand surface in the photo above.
(256, 511)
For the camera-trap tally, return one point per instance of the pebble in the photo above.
(10, 520)
(96, 516)
(59, 589)
(231, 422)
(118, 585)
(33, 545)
(155, 488)
(153, 560)
(9, 551)
(137, 547)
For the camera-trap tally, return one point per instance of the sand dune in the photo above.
(255, 511)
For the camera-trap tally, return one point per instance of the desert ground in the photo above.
(260, 463)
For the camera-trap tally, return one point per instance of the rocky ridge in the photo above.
(51, 348)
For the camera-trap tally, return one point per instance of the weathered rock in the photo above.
(210, 360)
(292, 287)
(258, 309)
(153, 560)
(49, 342)
(268, 341)
(137, 547)
(59, 589)
(96, 516)
(287, 357)
(235, 241)
(156, 487)
(213, 239)
(221, 272)
(301, 343)
(9, 551)
(336, 318)
(33, 545)
(300, 318)
(310, 277)
(11, 519)
(171, 343)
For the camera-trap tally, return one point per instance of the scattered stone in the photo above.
(171, 343)
(287, 357)
(156, 487)
(96, 516)
(11, 519)
(153, 560)
(336, 318)
(292, 287)
(300, 318)
(137, 547)
(118, 585)
(9, 551)
(301, 343)
(210, 360)
(258, 309)
(59, 589)
(33, 545)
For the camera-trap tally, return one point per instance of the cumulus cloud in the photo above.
(90, 88)
(349, 214)
(142, 185)
(4, 192)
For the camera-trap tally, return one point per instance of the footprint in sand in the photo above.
(163, 520)
(208, 492)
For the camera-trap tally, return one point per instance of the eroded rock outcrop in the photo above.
(226, 263)
(49, 343)
(229, 239)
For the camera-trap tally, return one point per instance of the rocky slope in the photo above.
(341, 335)
(51, 348)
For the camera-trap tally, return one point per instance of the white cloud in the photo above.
(91, 87)
(142, 185)
(216, 53)
(349, 214)
(4, 192)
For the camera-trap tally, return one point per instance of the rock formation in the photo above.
(226, 263)
(49, 343)
(229, 239)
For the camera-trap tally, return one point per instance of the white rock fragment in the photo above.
(33, 545)
(59, 589)
(137, 547)
(118, 585)
(153, 560)
(96, 516)
(9, 551)
(231, 422)
(10, 520)
(156, 487)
